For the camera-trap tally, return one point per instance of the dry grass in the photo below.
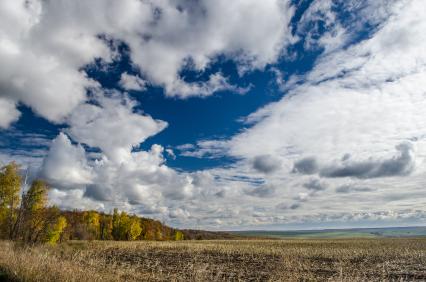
(262, 260)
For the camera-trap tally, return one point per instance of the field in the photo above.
(386, 232)
(398, 259)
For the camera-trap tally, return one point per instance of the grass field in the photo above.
(398, 259)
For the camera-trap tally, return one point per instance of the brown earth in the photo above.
(243, 260)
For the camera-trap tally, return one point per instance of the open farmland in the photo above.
(419, 231)
(398, 259)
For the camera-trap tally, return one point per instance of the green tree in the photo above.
(10, 185)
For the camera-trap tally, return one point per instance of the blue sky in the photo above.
(245, 115)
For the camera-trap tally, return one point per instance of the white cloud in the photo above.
(75, 199)
(8, 112)
(338, 120)
(51, 42)
(143, 182)
(118, 175)
(251, 32)
(320, 15)
(132, 82)
(170, 153)
(215, 83)
(204, 149)
(38, 71)
(112, 126)
(66, 166)
(266, 163)
(360, 100)
(45, 45)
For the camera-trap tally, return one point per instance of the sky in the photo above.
(220, 115)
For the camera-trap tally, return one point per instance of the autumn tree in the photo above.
(116, 224)
(178, 235)
(10, 185)
(92, 221)
(125, 227)
(35, 222)
(135, 229)
(32, 214)
(54, 231)
(30, 219)
(105, 227)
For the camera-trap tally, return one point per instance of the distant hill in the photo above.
(339, 233)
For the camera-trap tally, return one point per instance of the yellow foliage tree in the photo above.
(92, 220)
(135, 229)
(54, 232)
(178, 235)
(10, 185)
(34, 211)
(117, 225)
(125, 227)
(105, 227)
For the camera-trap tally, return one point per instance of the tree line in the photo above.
(93, 225)
(27, 217)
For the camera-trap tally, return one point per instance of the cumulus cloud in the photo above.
(98, 192)
(360, 100)
(306, 166)
(315, 185)
(51, 42)
(75, 199)
(132, 82)
(402, 164)
(51, 45)
(261, 191)
(266, 163)
(179, 213)
(8, 112)
(41, 65)
(66, 166)
(354, 101)
(143, 180)
(348, 188)
(112, 126)
(348, 94)
(207, 29)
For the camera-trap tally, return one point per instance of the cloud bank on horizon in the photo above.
(343, 144)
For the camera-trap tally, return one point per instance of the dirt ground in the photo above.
(244, 260)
